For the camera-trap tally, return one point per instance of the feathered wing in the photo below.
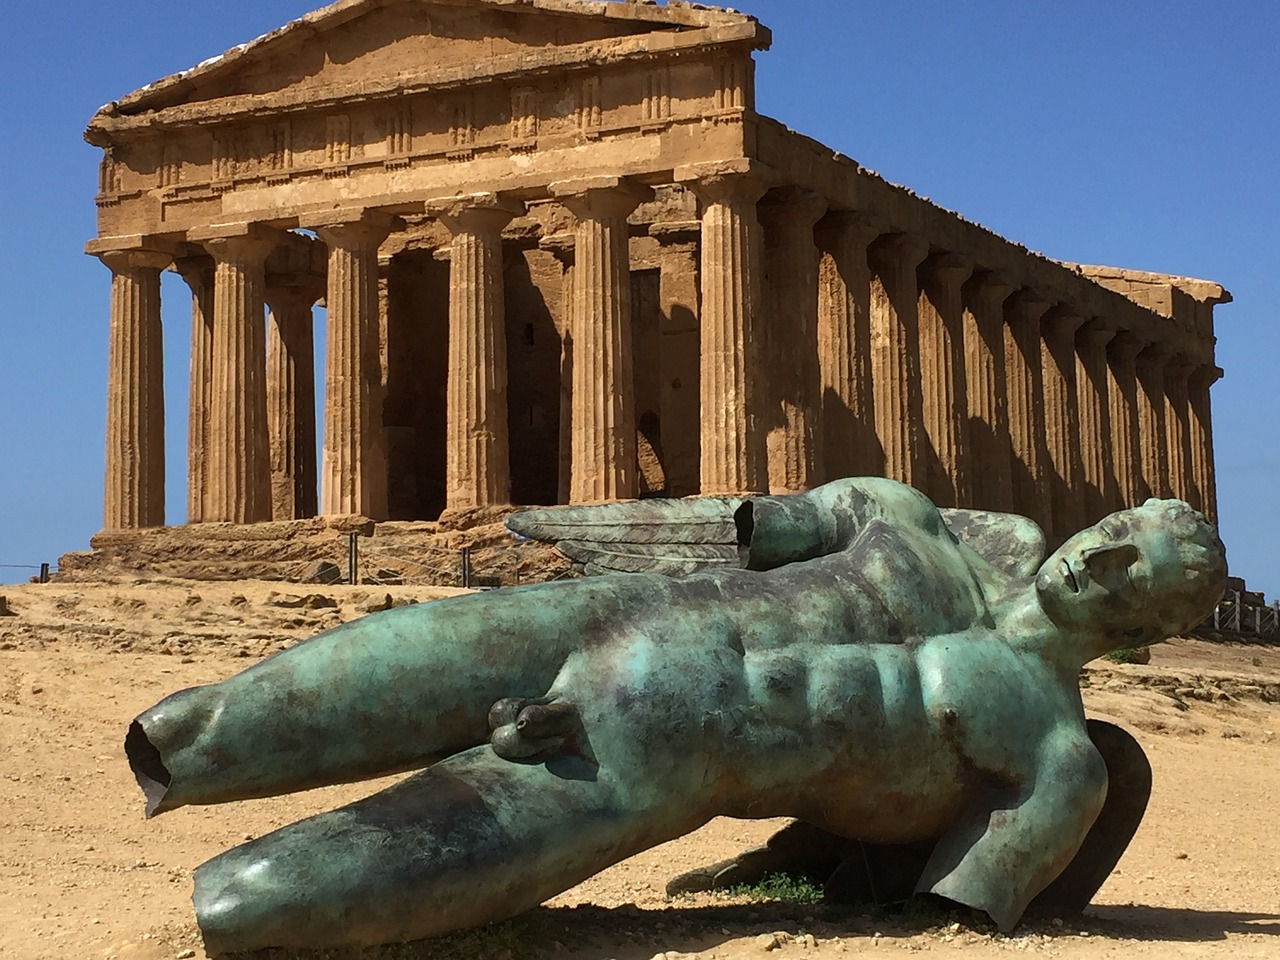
(671, 537)
(679, 537)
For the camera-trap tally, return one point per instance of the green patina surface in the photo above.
(840, 656)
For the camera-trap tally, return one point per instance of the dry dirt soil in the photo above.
(83, 875)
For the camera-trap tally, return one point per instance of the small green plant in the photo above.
(778, 886)
(1124, 655)
(1256, 661)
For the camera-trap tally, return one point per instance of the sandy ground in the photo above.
(83, 875)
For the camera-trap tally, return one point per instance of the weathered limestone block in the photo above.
(603, 419)
(353, 460)
(732, 457)
(850, 445)
(1094, 415)
(134, 487)
(943, 381)
(895, 370)
(1065, 472)
(238, 470)
(987, 390)
(1122, 390)
(478, 461)
(787, 217)
(1026, 414)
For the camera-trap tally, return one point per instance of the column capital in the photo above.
(1155, 355)
(194, 270)
(236, 241)
(559, 245)
(734, 181)
(903, 249)
(845, 227)
(1206, 375)
(1125, 345)
(121, 261)
(1096, 332)
(990, 286)
(1027, 304)
(949, 269)
(1178, 370)
(592, 198)
(798, 204)
(475, 213)
(293, 290)
(350, 228)
(1062, 321)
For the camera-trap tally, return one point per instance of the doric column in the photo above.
(291, 396)
(1026, 415)
(987, 390)
(895, 370)
(353, 466)
(1122, 395)
(198, 274)
(133, 491)
(1201, 430)
(603, 419)
(1064, 471)
(1177, 428)
(237, 468)
(478, 457)
(850, 447)
(943, 381)
(732, 458)
(787, 218)
(1152, 434)
(1094, 415)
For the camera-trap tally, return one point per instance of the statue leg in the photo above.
(389, 692)
(470, 840)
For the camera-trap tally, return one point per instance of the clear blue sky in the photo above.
(1136, 134)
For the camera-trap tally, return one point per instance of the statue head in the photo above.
(1135, 577)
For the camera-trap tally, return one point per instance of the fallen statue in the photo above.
(846, 657)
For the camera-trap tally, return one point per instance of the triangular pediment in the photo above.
(359, 48)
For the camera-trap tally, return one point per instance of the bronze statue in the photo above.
(840, 656)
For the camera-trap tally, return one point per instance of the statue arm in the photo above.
(1023, 841)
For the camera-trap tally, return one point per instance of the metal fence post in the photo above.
(466, 567)
(44, 573)
(353, 558)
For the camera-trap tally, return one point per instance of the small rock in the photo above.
(186, 954)
(378, 604)
(322, 571)
(238, 600)
(768, 941)
(5, 609)
(810, 941)
(37, 688)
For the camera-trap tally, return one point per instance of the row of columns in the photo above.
(861, 353)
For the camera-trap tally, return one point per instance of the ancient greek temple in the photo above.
(561, 258)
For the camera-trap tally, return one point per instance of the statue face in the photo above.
(1119, 577)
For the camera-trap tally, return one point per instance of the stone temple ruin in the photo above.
(563, 259)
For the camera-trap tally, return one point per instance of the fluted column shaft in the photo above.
(291, 399)
(237, 468)
(1065, 472)
(478, 458)
(133, 491)
(1201, 430)
(732, 457)
(1152, 433)
(791, 256)
(850, 447)
(1177, 428)
(352, 467)
(1122, 390)
(987, 391)
(604, 465)
(1094, 415)
(943, 380)
(895, 370)
(1026, 414)
(198, 274)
